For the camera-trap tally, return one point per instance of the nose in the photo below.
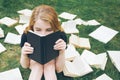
(42, 33)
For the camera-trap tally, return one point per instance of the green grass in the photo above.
(107, 12)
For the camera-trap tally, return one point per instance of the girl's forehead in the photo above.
(40, 23)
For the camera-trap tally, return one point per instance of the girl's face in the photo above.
(42, 28)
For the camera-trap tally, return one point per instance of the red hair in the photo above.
(47, 14)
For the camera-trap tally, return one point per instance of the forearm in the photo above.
(24, 61)
(60, 60)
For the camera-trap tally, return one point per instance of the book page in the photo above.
(103, 34)
(2, 48)
(13, 74)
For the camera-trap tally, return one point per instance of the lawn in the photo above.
(107, 12)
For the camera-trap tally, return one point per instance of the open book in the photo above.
(80, 42)
(43, 46)
(97, 61)
(8, 21)
(71, 52)
(77, 68)
(70, 27)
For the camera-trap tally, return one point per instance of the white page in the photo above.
(13, 74)
(88, 56)
(12, 38)
(27, 12)
(96, 61)
(70, 27)
(8, 21)
(2, 48)
(67, 15)
(1, 33)
(82, 67)
(76, 68)
(115, 58)
(79, 21)
(93, 22)
(79, 41)
(103, 77)
(70, 70)
(20, 28)
(71, 52)
(103, 34)
(100, 61)
(24, 19)
(84, 43)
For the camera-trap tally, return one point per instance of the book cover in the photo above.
(43, 46)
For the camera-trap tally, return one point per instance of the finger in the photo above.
(59, 40)
(60, 43)
(27, 44)
(28, 50)
(59, 47)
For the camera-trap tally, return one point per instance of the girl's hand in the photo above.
(60, 44)
(27, 49)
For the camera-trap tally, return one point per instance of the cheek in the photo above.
(49, 32)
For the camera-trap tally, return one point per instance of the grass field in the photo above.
(107, 12)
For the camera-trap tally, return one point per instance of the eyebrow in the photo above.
(40, 28)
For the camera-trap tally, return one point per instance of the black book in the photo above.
(44, 46)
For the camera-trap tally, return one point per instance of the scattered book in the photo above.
(92, 23)
(103, 34)
(88, 56)
(27, 12)
(79, 21)
(67, 15)
(71, 53)
(97, 61)
(24, 16)
(8, 21)
(13, 74)
(25, 19)
(77, 68)
(43, 46)
(103, 77)
(12, 38)
(1, 33)
(20, 28)
(100, 61)
(115, 58)
(70, 27)
(2, 48)
(79, 41)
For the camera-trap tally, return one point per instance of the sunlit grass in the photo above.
(107, 12)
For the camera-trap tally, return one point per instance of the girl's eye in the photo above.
(49, 29)
(38, 29)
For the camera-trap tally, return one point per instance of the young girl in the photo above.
(44, 21)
